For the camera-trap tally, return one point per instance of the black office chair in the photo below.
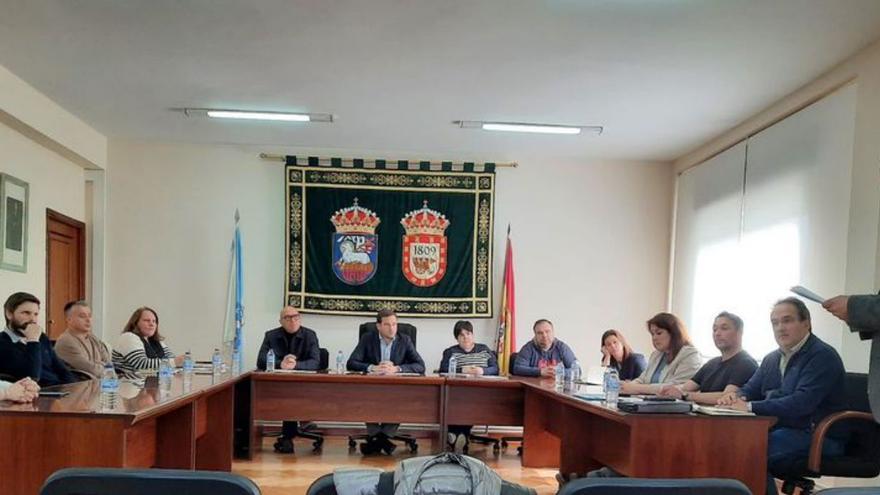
(505, 440)
(652, 486)
(861, 457)
(110, 481)
(411, 332)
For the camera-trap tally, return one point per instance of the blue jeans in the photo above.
(785, 443)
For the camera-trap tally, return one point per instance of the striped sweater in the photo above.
(130, 356)
(480, 356)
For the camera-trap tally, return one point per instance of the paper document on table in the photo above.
(298, 372)
(720, 411)
(807, 293)
(590, 393)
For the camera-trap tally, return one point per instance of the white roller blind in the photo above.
(796, 213)
(788, 225)
(707, 243)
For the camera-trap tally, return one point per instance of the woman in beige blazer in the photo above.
(674, 359)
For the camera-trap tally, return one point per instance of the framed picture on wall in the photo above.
(13, 223)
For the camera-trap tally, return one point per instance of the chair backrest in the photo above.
(857, 392)
(510, 362)
(109, 481)
(644, 486)
(404, 328)
(324, 360)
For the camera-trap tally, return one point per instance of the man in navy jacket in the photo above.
(800, 383)
(295, 348)
(384, 352)
(24, 348)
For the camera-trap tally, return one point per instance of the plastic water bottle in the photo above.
(236, 362)
(187, 367)
(453, 367)
(612, 387)
(166, 371)
(216, 363)
(109, 388)
(340, 363)
(270, 361)
(560, 374)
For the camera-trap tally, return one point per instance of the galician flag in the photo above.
(234, 320)
(506, 339)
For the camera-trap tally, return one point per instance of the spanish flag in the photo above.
(506, 341)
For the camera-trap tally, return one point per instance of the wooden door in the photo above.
(65, 268)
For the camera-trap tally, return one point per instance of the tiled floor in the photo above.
(278, 474)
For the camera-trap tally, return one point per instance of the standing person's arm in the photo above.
(863, 314)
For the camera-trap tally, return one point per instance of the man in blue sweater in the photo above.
(540, 355)
(800, 383)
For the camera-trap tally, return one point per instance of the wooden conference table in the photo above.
(185, 429)
(560, 430)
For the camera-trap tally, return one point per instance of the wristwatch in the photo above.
(685, 395)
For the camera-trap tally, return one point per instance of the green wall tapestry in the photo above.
(407, 236)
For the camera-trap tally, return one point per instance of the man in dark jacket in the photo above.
(295, 348)
(24, 348)
(800, 383)
(862, 314)
(384, 352)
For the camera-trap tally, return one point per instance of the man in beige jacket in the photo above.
(78, 346)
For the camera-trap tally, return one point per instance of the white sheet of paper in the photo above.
(807, 293)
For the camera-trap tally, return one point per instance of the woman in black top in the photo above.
(617, 354)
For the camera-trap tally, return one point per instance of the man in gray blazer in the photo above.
(862, 314)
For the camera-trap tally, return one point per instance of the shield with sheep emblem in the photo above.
(355, 244)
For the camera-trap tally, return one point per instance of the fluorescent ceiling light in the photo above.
(236, 114)
(544, 129)
(218, 113)
(527, 127)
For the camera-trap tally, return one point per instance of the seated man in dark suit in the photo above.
(295, 348)
(384, 352)
(24, 348)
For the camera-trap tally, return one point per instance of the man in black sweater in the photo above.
(295, 348)
(24, 348)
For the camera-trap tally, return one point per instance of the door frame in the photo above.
(79, 226)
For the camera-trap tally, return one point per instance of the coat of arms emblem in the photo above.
(424, 246)
(355, 244)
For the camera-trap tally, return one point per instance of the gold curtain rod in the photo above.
(283, 158)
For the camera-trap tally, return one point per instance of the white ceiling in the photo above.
(661, 76)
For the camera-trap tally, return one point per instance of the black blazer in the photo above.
(303, 345)
(403, 354)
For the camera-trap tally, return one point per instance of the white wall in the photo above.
(55, 183)
(591, 246)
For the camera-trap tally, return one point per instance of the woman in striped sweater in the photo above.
(471, 359)
(141, 347)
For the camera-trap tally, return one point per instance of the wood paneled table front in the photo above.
(183, 429)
